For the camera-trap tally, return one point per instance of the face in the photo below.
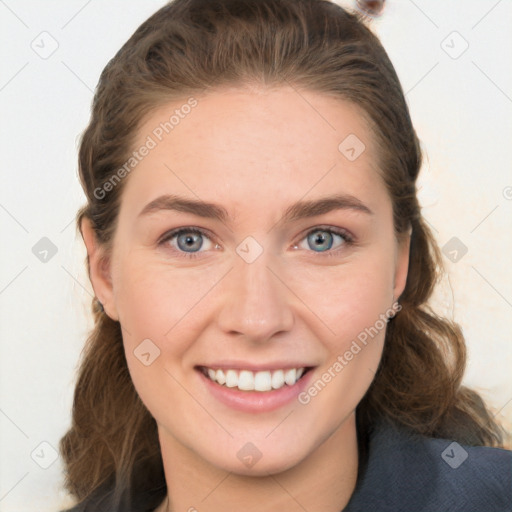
(261, 291)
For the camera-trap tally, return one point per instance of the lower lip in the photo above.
(256, 401)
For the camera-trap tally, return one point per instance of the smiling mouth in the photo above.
(246, 380)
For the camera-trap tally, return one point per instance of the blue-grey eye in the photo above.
(320, 239)
(187, 242)
(190, 240)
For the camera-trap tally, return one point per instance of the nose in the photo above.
(255, 301)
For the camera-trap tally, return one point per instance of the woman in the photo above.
(262, 272)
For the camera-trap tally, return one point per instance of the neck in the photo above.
(323, 482)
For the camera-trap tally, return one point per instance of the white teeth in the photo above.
(220, 377)
(262, 381)
(246, 380)
(278, 379)
(231, 379)
(289, 377)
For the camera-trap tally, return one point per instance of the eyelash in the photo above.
(347, 238)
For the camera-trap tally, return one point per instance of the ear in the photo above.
(401, 265)
(99, 269)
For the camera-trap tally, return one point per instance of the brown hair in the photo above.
(193, 45)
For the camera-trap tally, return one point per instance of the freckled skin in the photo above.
(254, 152)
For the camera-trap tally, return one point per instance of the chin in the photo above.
(261, 464)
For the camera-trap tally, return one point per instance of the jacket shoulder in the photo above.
(407, 471)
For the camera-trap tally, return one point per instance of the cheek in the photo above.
(346, 299)
(153, 303)
(140, 296)
(355, 312)
(160, 302)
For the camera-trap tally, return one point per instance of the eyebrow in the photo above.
(296, 211)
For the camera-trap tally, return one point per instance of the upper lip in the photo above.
(240, 365)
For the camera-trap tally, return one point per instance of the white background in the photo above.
(461, 108)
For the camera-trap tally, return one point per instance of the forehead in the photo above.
(237, 145)
(251, 116)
